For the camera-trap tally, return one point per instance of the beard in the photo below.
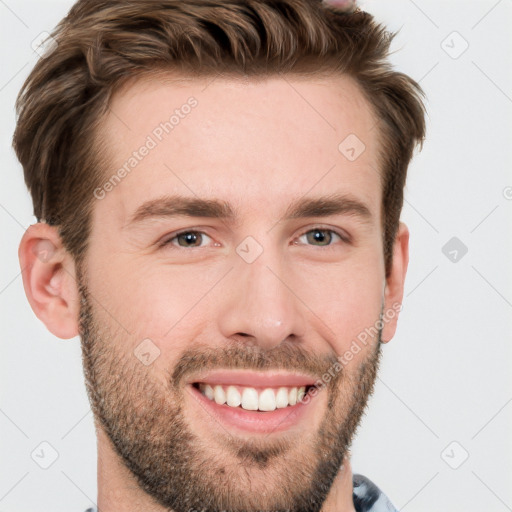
(143, 416)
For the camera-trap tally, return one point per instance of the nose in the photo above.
(260, 306)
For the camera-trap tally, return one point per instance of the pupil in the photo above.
(190, 237)
(319, 235)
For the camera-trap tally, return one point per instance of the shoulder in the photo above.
(368, 497)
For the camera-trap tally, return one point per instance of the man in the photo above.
(218, 188)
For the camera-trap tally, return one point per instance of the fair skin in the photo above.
(259, 146)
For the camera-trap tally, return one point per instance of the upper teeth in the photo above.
(251, 399)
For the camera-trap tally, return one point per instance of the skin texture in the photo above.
(297, 307)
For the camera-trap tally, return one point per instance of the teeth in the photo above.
(282, 398)
(219, 395)
(208, 391)
(292, 398)
(267, 400)
(249, 399)
(233, 396)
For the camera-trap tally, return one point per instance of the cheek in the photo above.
(347, 299)
(175, 304)
(155, 301)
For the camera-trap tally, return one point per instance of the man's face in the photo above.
(263, 300)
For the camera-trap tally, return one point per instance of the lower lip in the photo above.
(264, 422)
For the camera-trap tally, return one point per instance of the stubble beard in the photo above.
(148, 429)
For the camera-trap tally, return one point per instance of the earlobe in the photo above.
(394, 285)
(48, 273)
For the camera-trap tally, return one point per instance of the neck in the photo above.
(339, 498)
(118, 491)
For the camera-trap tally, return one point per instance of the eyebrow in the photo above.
(176, 206)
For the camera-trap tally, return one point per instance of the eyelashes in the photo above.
(197, 235)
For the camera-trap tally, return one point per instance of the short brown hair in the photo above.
(101, 44)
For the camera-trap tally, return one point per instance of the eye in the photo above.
(186, 239)
(323, 236)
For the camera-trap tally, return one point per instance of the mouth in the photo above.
(254, 402)
(252, 398)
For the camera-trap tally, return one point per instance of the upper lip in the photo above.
(266, 379)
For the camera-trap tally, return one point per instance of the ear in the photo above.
(394, 285)
(48, 272)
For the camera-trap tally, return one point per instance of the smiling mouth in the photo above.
(254, 398)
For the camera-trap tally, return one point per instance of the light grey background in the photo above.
(444, 391)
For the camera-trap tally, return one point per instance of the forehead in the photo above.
(256, 143)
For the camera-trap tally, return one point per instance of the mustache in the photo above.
(288, 357)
